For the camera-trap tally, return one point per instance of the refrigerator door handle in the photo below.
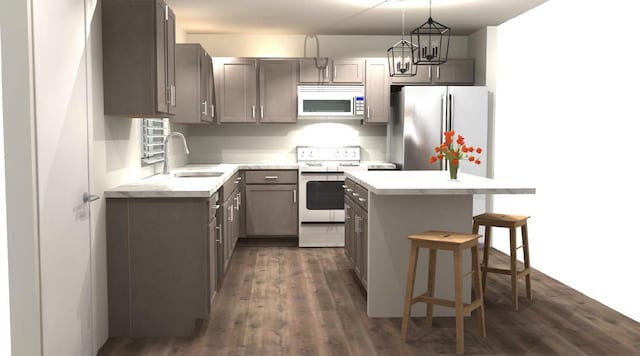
(450, 121)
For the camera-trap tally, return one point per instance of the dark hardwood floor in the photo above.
(291, 301)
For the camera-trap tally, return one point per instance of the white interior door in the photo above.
(61, 135)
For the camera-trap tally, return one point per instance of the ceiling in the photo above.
(340, 17)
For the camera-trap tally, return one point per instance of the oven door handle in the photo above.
(321, 173)
(322, 222)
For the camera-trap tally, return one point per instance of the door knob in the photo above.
(86, 197)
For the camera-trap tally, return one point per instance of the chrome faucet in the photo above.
(166, 149)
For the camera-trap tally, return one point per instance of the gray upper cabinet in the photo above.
(348, 71)
(278, 90)
(453, 72)
(376, 91)
(138, 44)
(194, 84)
(236, 86)
(324, 70)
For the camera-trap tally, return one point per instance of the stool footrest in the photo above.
(521, 273)
(424, 298)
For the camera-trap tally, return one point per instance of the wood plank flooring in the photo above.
(291, 301)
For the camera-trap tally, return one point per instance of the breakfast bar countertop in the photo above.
(433, 183)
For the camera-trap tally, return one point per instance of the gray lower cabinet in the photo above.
(138, 46)
(161, 264)
(278, 90)
(236, 88)
(271, 208)
(194, 82)
(356, 229)
(377, 92)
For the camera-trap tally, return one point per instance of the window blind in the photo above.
(153, 132)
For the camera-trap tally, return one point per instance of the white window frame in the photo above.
(152, 134)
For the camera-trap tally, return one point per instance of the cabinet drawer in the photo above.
(230, 185)
(362, 196)
(213, 206)
(272, 177)
(350, 187)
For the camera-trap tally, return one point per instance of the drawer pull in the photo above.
(270, 177)
(362, 199)
(344, 186)
(355, 194)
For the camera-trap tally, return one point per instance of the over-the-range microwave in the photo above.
(330, 102)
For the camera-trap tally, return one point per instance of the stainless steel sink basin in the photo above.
(197, 174)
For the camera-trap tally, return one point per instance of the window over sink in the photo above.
(152, 134)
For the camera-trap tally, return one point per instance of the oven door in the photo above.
(321, 197)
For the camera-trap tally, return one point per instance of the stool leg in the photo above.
(431, 283)
(485, 256)
(527, 263)
(406, 315)
(457, 261)
(514, 271)
(475, 262)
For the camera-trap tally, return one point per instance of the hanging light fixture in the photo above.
(432, 42)
(400, 57)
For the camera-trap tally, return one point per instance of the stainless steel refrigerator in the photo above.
(421, 114)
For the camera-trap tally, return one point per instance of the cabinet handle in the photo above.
(261, 111)
(219, 232)
(231, 213)
(173, 95)
(213, 113)
(349, 190)
(355, 194)
(295, 198)
(239, 198)
(204, 105)
(253, 112)
(270, 177)
(335, 72)
(344, 186)
(438, 72)
(368, 112)
(429, 72)
(362, 199)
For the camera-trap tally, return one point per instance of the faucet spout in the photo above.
(166, 149)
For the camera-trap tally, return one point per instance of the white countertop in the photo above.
(169, 186)
(433, 183)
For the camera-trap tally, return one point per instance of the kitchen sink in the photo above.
(197, 174)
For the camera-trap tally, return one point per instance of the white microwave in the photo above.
(338, 102)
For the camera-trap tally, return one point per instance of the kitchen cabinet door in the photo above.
(314, 70)
(376, 92)
(423, 76)
(364, 248)
(278, 91)
(271, 210)
(455, 71)
(193, 96)
(213, 274)
(236, 90)
(138, 45)
(348, 71)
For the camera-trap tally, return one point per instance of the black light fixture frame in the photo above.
(400, 57)
(432, 42)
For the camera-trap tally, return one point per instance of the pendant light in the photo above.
(432, 42)
(400, 57)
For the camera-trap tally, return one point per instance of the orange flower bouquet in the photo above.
(453, 155)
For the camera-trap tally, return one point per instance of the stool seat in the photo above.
(445, 240)
(512, 222)
(451, 241)
(501, 220)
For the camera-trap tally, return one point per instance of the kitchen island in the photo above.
(401, 203)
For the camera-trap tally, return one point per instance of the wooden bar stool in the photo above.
(512, 222)
(450, 241)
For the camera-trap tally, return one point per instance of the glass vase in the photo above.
(453, 170)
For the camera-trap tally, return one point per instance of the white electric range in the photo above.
(321, 180)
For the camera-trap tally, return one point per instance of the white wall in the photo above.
(5, 310)
(20, 173)
(567, 118)
(293, 45)
(277, 143)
